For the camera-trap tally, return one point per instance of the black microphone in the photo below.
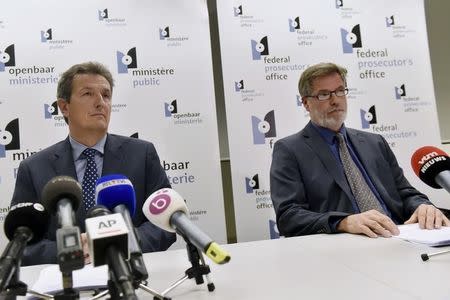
(26, 223)
(166, 209)
(116, 192)
(62, 196)
(432, 165)
(107, 235)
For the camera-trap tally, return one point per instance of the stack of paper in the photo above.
(434, 237)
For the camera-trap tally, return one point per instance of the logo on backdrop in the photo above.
(351, 39)
(251, 184)
(166, 34)
(9, 137)
(344, 10)
(245, 19)
(238, 11)
(398, 31)
(141, 77)
(294, 24)
(247, 95)
(47, 37)
(305, 36)
(273, 230)
(260, 48)
(261, 196)
(24, 75)
(239, 86)
(410, 103)
(170, 108)
(390, 21)
(368, 117)
(390, 131)
(51, 112)
(104, 17)
(179, 172)
(7, 58)
(172, 111)
(264, 129)
(126, 61)
(400, 92)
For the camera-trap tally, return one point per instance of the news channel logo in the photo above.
(368, 117)
(126, 61)
(170, 108)
(263, 128)
(7, 58)
(351, 39)
(260, 48)
(251, 184)
(400, 91)
(9, 137)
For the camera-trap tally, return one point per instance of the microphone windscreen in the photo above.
(96, 211)
(60, 187)
(30, 215)
(427, 162)
(116, 189)
(160, 206)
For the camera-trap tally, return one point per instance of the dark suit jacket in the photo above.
(310, 192)
(134, 158)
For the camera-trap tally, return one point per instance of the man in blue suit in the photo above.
(328, 178)
(84, 98)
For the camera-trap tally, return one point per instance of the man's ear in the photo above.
(305, 103)
(63, 106)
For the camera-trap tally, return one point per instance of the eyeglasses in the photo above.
(326, 95)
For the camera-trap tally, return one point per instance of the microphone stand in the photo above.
(198, 269)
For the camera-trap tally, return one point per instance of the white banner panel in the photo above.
(160, 55)
(265, 47)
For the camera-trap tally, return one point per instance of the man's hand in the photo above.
(371, 223)
(85, 245)
(428, 217)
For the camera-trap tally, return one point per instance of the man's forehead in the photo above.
(90, 81)
(332, 78)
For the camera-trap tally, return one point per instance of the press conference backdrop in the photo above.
(160, 55)
(265, 48)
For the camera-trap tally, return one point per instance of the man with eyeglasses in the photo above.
(328, 178)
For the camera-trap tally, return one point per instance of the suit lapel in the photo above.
(322, 149)
(62, 160)
(113, 156)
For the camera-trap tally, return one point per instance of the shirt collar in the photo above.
(78, 148)
(329, 135)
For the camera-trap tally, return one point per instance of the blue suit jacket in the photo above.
(310, 192)
(134, 158)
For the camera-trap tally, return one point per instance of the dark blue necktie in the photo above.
(90, 178)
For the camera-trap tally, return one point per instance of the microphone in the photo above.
(107, 236)
(432, 165)
(62, 196)
(26, 223)
(116, 193)
(166, 209)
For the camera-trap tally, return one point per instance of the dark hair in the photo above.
(319, 70)
(64, 90)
